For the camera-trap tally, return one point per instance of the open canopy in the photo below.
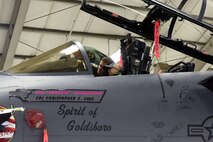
(69, 57)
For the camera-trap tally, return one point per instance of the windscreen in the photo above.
(65, 58)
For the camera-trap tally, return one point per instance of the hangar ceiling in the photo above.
(31, 27)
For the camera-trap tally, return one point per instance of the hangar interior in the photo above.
(31, 27)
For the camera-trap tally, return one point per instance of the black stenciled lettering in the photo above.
(109, 128)
(88, 126)
(71, 111)
(77, 127)
(82, 125)
(71, 125)
(105, 128)
(68, 112)
(40, 98)
(61, 109)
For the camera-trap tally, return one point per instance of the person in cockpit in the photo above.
(108, 67)
(114, 69)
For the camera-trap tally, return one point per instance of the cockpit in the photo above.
(71, 57)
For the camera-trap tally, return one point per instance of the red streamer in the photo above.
(156, 39)
(45, 138)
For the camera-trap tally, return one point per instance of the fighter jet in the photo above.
(64, 101)
(77, 106)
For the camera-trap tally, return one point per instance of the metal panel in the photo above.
(6, 10)
(3, 34)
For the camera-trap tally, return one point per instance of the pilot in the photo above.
(114, 69)
(102, 68)
(108, 67)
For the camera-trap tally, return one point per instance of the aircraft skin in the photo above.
(153, 108)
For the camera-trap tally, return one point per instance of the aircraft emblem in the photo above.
(205, 130)
(7, 125)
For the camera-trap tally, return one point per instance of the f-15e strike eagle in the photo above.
(59, 98)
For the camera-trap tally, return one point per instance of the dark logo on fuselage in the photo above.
(204, 130)
(55, 95)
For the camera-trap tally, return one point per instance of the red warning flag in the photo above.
(156, 39)
(45, 138)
